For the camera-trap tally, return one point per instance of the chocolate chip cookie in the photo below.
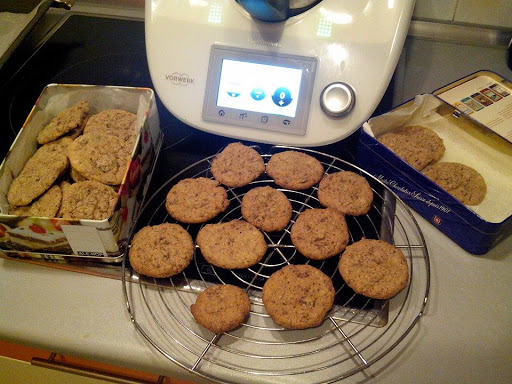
(298, 296)
(99, 157)
(294, 170)
(221, 308)
(374, 268)
(320, 233)
(88, 200)
(46, 205)
(461, 181)
(196, 200)
(72, 118)
(162, 250)
(47, 164)
(418, 146)
(116, 122)
(231, 245)
(347, 192)
(237, 165)
(266, 208)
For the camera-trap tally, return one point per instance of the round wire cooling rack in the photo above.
(356, 333)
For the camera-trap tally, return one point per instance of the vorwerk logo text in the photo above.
(180, 79)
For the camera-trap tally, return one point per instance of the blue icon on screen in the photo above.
(234, 94)
(258, 94)
(282, 97)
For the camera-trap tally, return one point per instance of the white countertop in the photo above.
(463, 337)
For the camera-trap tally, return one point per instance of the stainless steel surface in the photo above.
(357, 332)
(337, 99)
(457, 33)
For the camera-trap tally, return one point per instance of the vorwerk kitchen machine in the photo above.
(295, 72)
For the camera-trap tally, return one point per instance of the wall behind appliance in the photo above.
(449, 39)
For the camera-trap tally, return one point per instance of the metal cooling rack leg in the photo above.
(212, 341)
(348, 341)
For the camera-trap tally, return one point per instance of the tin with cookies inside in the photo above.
(75, 177)
(448, 155)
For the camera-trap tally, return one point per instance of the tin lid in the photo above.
(485, 97)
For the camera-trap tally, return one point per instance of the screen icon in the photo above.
(282, 97)
(258, 94)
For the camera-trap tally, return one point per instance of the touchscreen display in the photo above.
(258, 87)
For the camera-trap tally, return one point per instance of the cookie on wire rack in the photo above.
(237, 165)
(196, 200)
(298, 296)
(347, 192)
(320, 233)
(234, 244)
(294, 170)
(162, 250)
(266, 208)
(221, 308)
(374, 268)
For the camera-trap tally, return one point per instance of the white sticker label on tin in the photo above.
(84, 241)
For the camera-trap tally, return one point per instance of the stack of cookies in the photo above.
(80, 162)
(422, 148)
(296, 296)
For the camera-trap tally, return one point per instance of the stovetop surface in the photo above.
(83, 50)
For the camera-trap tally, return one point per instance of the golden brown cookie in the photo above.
(117, 122)
(294, 170)
(418, 146)
(461, 181)
(266, 208)
(237, 165)
(46, 205)
(88, 200)
(231, 245)
(298, 296)
(39, 173)
(347, 192)
(162, 250)
(66, 121)
(221, 308)
(76, 176)
(19, 210)
(374, 268)
(196, 200)
(99, 157)
(320, 233)
(62, 143)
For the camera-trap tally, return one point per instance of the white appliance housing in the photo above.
(346, 51)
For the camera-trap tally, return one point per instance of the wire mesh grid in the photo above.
(356, 333)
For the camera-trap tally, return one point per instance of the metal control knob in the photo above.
(337, 99)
